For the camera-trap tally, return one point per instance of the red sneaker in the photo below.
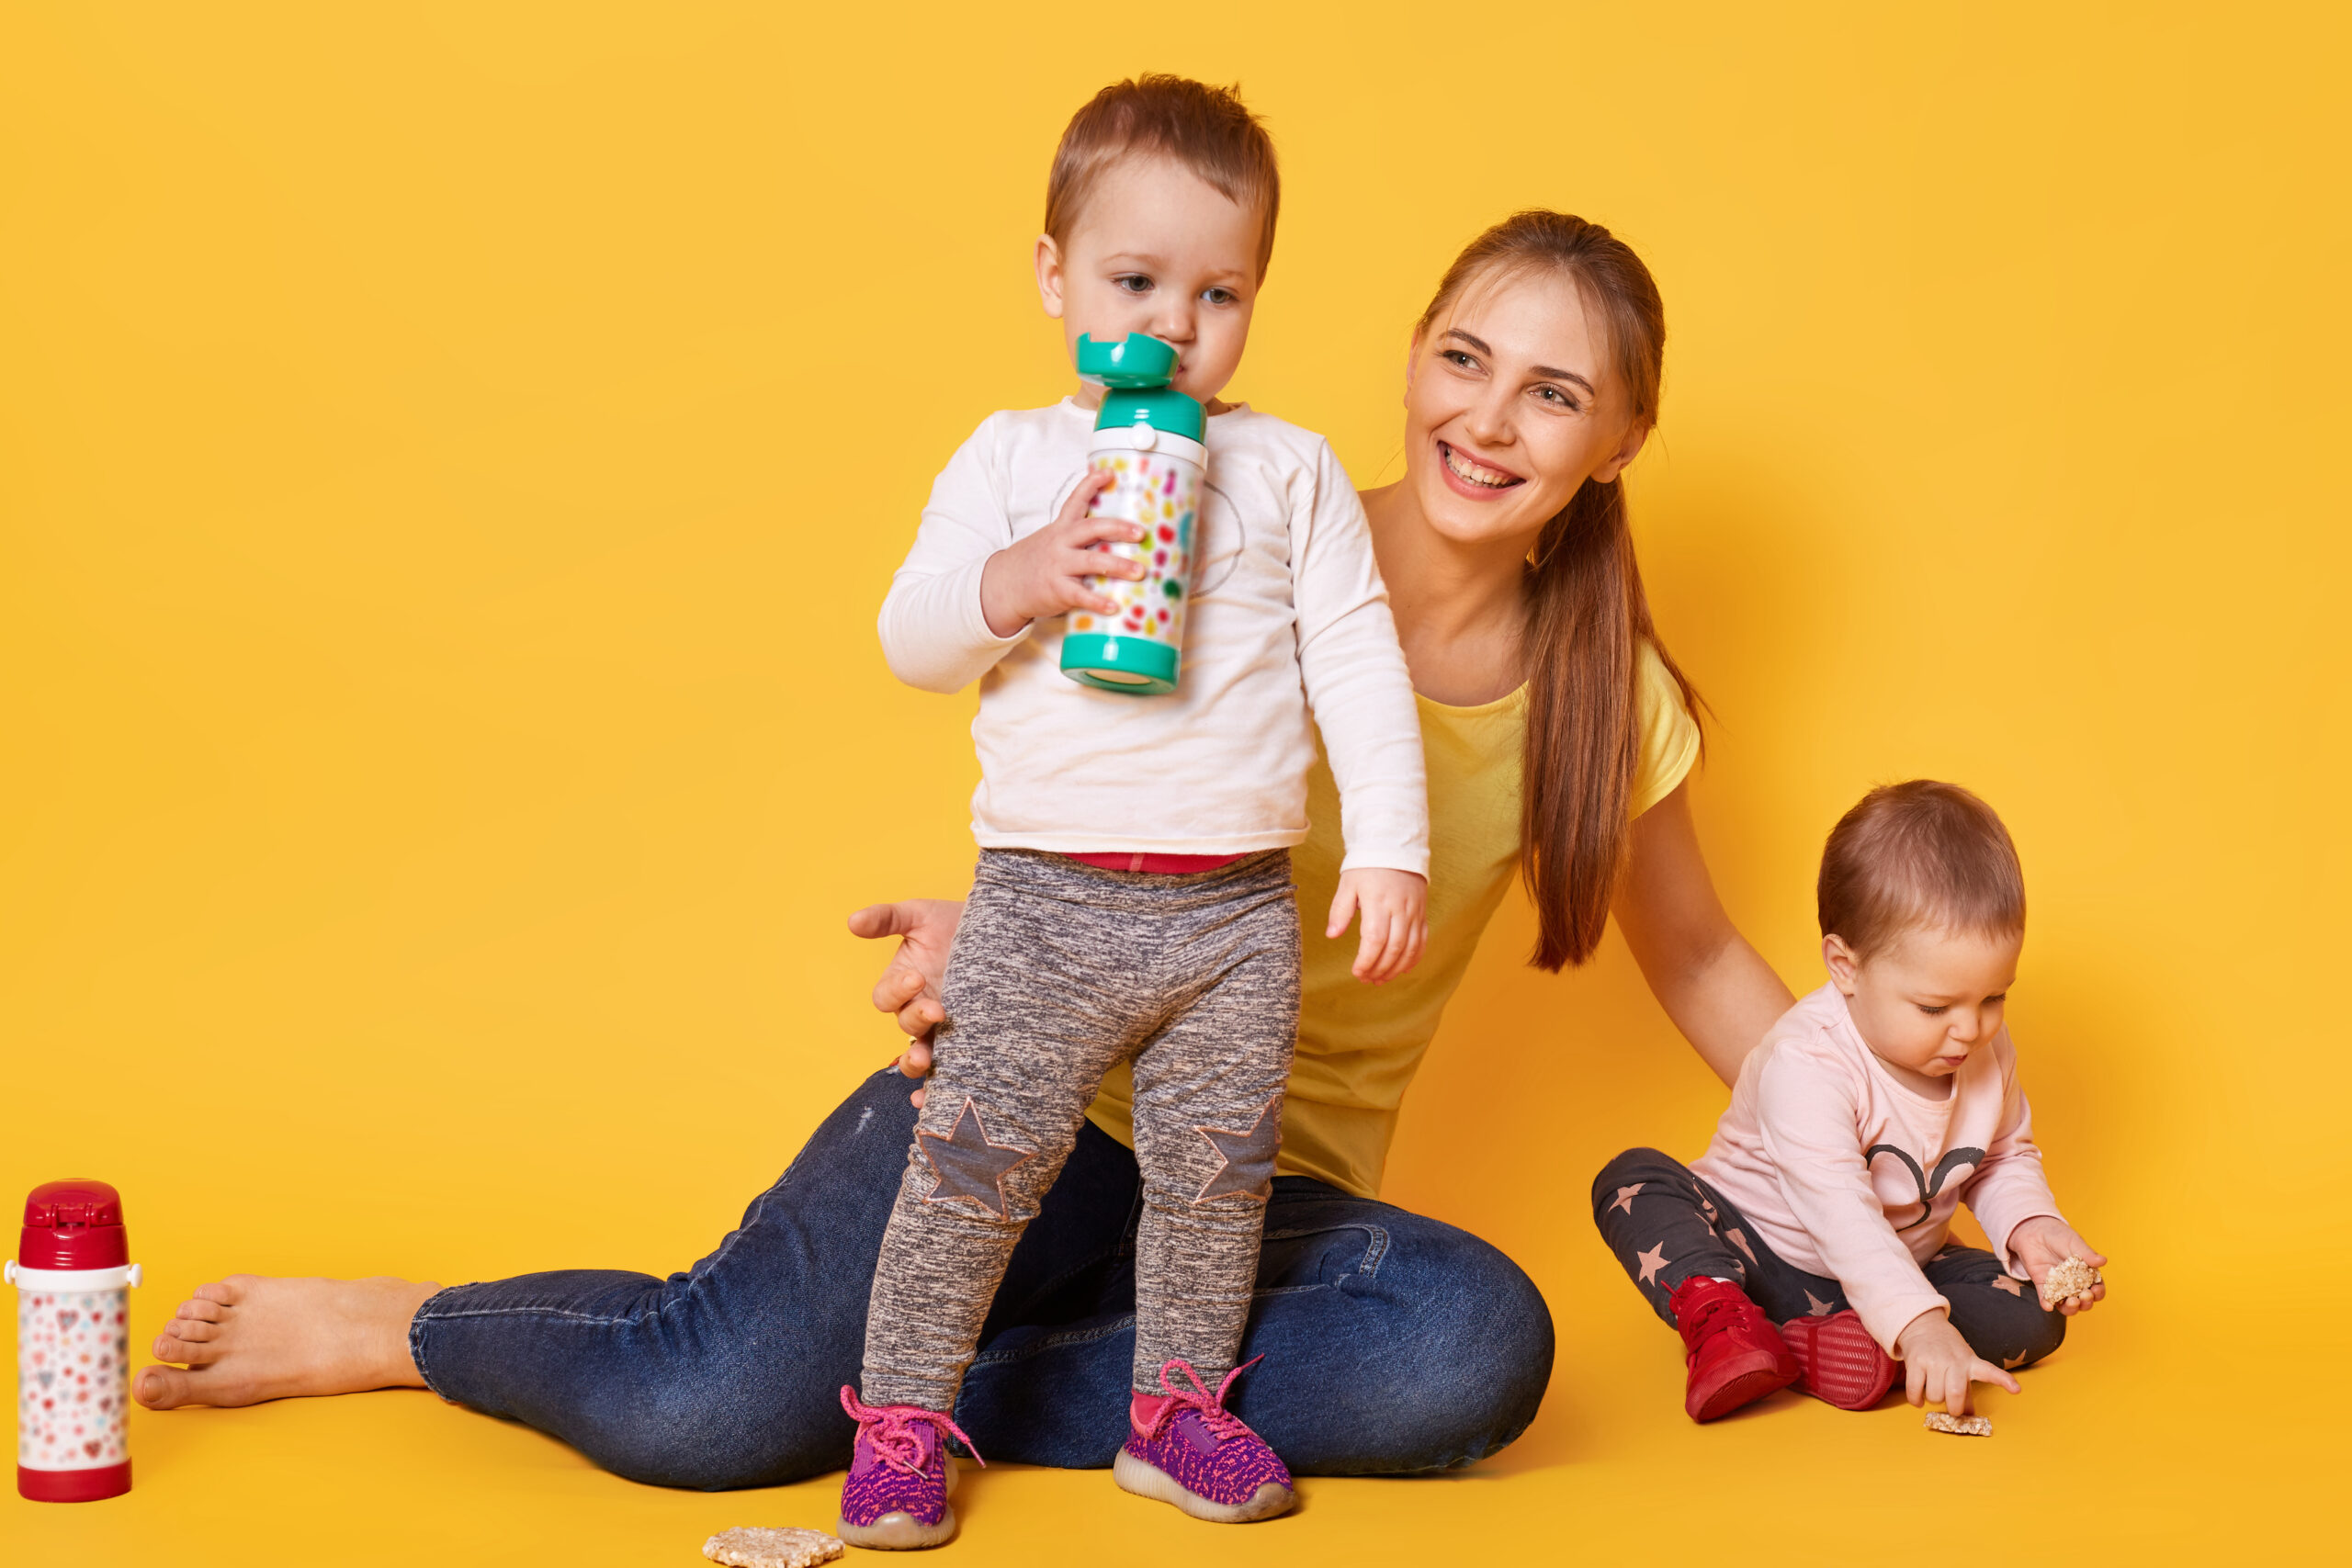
(1843, 1365)
(1734, 1355)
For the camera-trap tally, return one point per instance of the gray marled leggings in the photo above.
(1060, 971)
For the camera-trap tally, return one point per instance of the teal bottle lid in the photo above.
(1136, 666)
(1136, 371)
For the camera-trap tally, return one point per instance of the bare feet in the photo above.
(248, 1338)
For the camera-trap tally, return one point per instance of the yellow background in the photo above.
(451, 456)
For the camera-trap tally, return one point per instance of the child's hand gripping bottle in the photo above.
(1148, 438)
(72, 1273)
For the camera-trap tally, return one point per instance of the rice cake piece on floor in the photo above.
(1959, 1426)
(789, 1545)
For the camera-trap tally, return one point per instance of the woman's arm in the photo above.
(1716, 988)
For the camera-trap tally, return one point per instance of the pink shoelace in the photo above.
(1209, 1407)
(894, 1439)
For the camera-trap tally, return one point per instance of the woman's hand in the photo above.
(1938, 1367)
(910, 984)
(1045, 574)
(1395, 907)
(2044, 1242)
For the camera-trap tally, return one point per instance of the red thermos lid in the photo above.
(74, 1224)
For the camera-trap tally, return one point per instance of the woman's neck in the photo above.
(1459, 607)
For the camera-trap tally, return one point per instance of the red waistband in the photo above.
(1157, 865)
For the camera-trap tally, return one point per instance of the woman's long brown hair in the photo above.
(1587, 615)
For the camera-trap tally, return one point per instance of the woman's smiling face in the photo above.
(1512, 400)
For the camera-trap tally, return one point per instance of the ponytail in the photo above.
(1586, 617)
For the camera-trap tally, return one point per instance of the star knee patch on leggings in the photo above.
(1247, 1157)
(970, 1167)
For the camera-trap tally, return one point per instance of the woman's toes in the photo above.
(194, 1330)
(201, 1311)
(162, 1388)
(228, 1291)
(170, 1346)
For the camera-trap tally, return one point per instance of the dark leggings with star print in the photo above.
(1060, 972)
(1666, 1225)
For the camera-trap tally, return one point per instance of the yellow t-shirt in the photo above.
(1359, 1045)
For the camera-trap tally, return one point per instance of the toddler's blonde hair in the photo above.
(1206, 130)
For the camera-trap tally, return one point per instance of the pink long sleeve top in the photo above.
(1847, 1173)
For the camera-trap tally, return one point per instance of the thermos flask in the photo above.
(72, 1273)
(1148, 438)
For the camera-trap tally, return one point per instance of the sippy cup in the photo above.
(1148, 439)
(72, 1273)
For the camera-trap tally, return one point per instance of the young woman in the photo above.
(1557, 734)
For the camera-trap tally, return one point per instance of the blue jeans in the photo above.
(1393, 1344)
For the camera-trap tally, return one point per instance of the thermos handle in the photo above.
(8, 1273)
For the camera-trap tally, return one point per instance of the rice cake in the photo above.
(1958, 1426)
(2072, 1277)
(789, 1545)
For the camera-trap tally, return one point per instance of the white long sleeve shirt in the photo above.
(1847, 1173)
(1287, 616)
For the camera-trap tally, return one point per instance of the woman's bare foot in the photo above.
(248, 1338)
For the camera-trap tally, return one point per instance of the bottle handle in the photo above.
(131, 1272)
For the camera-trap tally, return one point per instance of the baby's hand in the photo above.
(2044, 1242)
(1046, 573)
(1939, 1366)
(1395, 920)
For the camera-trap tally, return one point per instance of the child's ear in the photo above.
(1049, 275)
(1841, 962)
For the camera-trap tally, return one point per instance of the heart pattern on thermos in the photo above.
(72, 1363)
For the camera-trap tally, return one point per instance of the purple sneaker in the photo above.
(1187, 1448)
(900, 1476)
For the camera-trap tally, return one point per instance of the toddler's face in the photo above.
(1158, 251)
(1927, 1001)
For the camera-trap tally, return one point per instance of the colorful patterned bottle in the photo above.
(1148, 438)
(72, 1273)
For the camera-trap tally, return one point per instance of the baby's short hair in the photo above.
(1207, 129)
(1918, 854)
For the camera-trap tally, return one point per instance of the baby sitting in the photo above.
(1874, 1108)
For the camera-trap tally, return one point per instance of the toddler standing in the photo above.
(1872, 1110)
(1134, 900)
